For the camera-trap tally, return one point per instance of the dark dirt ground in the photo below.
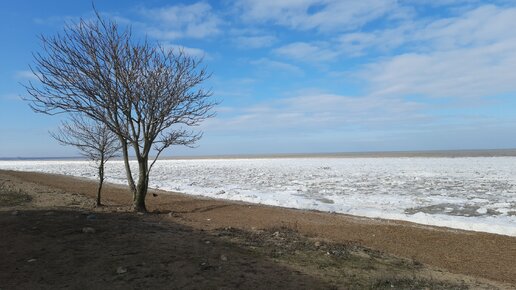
(46, 243)
(50, 251)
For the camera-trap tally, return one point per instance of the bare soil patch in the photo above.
(195, 243)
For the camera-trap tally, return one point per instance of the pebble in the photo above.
(121, 270)
(223, 258)
(91, 217)
(31, 260)
(317, 244)
(88, 230)
(276, 234)
(204, 266)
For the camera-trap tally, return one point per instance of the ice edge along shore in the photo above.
(470, 193)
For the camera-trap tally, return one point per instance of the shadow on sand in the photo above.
(49, 249)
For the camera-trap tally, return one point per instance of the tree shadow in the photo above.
(54, 249)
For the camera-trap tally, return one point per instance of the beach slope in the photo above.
(53, 236)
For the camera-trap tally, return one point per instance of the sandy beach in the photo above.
(227, 234)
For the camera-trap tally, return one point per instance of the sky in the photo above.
(302, 76)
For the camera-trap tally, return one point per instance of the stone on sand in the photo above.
(88, 230)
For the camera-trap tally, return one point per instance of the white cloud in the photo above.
(483, 25)
(191, 51)
(462, 73)
(10, 97)
(446, 2)
(308, 52)
(259, 41)
(276, 66)
(471, 55)
(360, 43)
(323, 15)
(345, 110)
(322, 111)
(183, 21)
(233, 88)
(25, 75)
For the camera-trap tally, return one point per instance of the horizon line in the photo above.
(372, 153)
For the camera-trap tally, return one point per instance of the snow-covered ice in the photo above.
(473, 193)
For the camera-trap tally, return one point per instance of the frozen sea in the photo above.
(471, 193)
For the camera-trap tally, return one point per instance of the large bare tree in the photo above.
(93, 139)
(148, 96)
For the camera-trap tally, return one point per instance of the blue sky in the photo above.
(303, 75)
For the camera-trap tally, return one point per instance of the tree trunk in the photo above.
(101, 182)
(142, 186)
(101, 178)
(130, 180)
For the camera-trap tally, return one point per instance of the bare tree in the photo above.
(93, 139)
(147, 95)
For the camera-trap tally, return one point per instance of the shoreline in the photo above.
(493, 215)
(478, 254)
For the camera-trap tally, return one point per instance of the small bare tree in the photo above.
(147, 95)
(93, 139)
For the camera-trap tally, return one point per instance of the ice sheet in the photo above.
(475, 193)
